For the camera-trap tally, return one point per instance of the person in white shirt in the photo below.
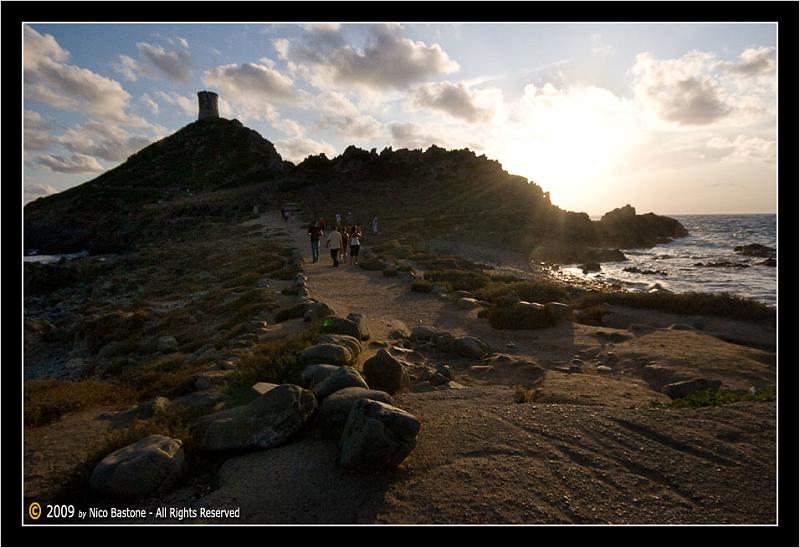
(355, 243)
(334, 243)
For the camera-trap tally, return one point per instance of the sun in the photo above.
(569, 144)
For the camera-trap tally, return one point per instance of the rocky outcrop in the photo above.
(344, 377)
(336, 407)
(326, 353)
(267, 421)
(755, 250)
(386, 373)
(351, 343)
(361, 323)
(149, 466)
(377, 435)
(340, 326)
(470, 347)
(682, 389)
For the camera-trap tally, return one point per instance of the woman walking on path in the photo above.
(355, 244)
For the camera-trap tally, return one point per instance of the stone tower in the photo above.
(208, 105)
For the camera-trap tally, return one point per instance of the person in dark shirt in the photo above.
(314, 233)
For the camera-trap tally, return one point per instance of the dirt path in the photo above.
(589, 449)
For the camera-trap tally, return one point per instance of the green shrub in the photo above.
(276, 362)
(421, 286)
(459, 279)
(710, 397)
(540, 291)
(725, 305)
(48, 400)
(519, 316)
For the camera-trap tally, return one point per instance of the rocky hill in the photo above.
(218, 168)
(199, 170)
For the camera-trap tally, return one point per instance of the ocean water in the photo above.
(711, 239)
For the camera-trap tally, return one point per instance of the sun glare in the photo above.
(568, 142)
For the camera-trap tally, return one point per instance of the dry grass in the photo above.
(48, 400)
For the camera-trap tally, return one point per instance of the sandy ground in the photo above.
(588, 449)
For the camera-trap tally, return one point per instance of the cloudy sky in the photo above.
(672, 118)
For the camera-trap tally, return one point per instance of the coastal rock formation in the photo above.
(755, 250)
(377, 435)
(267, 421)
(361, 322)
(341, 326)
(351, 343)
(336, 407)
(326, 353)
(386, 373)
(149, 466)
(344, 377)
(682, 389)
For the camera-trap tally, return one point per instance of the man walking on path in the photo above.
(334, 242)
(314, 233)
(375, 224)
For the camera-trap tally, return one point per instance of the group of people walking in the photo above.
(340, 241)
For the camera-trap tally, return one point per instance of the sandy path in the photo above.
(481, 458)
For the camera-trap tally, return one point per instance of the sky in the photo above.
(670, 118)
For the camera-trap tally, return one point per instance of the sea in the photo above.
(711, 240)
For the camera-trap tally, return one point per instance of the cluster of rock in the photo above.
(374, 433)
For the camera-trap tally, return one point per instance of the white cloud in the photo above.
(253, 84)
(298, 149)
(77, 163)
(37, 134)
(39, 189)
(698, 89)
(105, 141)
(131, 69)
(685, 91)
(755, 61)
(49, 79)
(150, 103)
(187, 105)
(183, 42)
(459, 101)
(353, 126)
(389, 61)
(173, 64)
(412, 135)
(743, 148)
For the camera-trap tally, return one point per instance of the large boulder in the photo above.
(143, 411)
(317, 311)
(340, 326)
(351, 343)
(337, 406)
(359, 320)
(423, 333)
(149, 466)
(755, 250)
(377, 435)
(470, 347)
(316, 372)
(335, 354)
(467, 303)
(167, 343)
(344, 377)
(201, 401)
(682, 389)
(385, 372)
(267, 421)
(559, 311)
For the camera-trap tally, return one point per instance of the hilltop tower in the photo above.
(207, 102)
